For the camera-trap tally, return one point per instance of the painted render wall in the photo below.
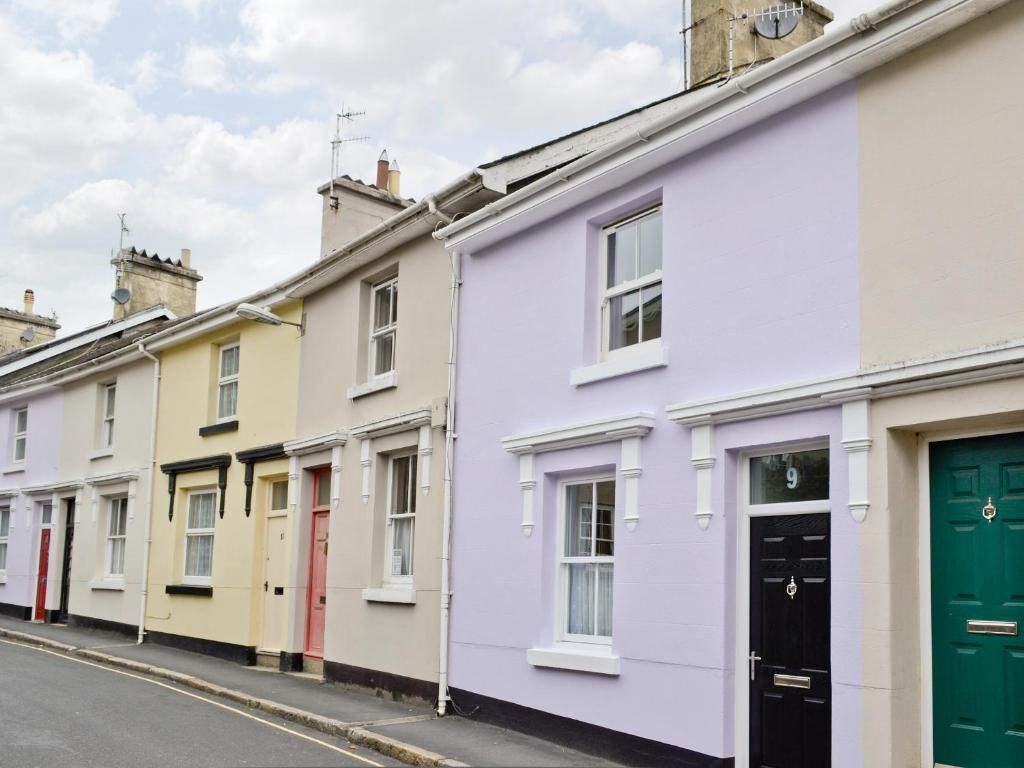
(943, 217)
(760, 279)
(395, 638)
(42, 451)
(268, 378)
(83, 461)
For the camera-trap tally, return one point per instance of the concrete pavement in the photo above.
(409, 732)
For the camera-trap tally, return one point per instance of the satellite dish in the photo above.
(777, 21)
(121, 296)
(28, 334)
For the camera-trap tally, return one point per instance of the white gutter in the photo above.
(147, 537)
(804, 72)
(446, 519)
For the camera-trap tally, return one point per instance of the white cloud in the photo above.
(205, 67)
(74, 19)
(148, 72)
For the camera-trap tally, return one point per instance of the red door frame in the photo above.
(44, 569)
(319, 476)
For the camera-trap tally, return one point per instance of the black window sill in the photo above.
(216, 429)
(188, 589)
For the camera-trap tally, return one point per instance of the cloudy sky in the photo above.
(209, 122)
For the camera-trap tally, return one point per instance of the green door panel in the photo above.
(977, 574)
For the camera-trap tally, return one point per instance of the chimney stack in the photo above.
(709, 36)
(382, 171)
(394, 179)
(30, 301)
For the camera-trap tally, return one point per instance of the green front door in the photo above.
(978, 601)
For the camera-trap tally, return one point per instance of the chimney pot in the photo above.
(394, 179)
(30, 301)
(382, 170)
(186, 257)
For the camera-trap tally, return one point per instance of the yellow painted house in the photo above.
(227, 400)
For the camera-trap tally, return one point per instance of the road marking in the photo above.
(200, 698)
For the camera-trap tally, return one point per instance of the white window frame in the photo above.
(606, 294)
(117, 505)
(202, 581)
(391, 329)
(5, 515)
(389, 518)
(19, 437)
(109, 404)
(562, 635)
(223, 380)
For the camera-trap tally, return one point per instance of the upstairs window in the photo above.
(199, 538)
(117, 530)
(5, 528)
(107, 433)
(631, 282)
(401, 517)
(383, 327)
(587, 561)
(20, 434)
(227, 382)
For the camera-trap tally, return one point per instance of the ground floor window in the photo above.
(5, 526)
(117, 527)
(199, 537)
(401, 516)
(587, 560)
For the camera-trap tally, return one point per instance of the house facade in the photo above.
(709, 460)
(226, 404)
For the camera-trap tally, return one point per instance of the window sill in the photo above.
(404, 595)
(3, 577)
(377, 384)
(110, 584)
(189, 589)
(19, 467)
(642, 359)
(101, 453)
(216, 429)
(596, 660)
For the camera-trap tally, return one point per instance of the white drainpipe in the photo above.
(446, 523)
(147, 525)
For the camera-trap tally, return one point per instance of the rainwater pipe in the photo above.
(147, 537)
(446, 519)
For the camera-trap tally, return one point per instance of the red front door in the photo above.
(316, 608)
(44, 568)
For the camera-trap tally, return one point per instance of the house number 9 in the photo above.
(792, 478)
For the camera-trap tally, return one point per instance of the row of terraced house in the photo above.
(694, 437)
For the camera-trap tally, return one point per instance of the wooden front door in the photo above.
(790, 608)
(977, 563)
(65, 573)
(44, 569)
(274, 575)
(317, 606)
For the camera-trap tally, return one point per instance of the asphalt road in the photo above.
(59, 711)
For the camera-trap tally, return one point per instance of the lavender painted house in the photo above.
(30, 441)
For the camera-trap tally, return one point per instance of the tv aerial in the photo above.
(777, 21)
(338, 144)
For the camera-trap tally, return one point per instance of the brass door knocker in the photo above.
(791, 588)
(989, 510)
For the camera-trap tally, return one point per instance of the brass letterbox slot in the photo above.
(979, 627)
(792, 681)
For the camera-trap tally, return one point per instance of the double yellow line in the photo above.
(239, 712)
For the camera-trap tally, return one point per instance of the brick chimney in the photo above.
(394, 179)
(20, 329)
(382, 171)
(709, 36)
(152, 281)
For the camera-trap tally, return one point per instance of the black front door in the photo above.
(65, 573)
(790, 685)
